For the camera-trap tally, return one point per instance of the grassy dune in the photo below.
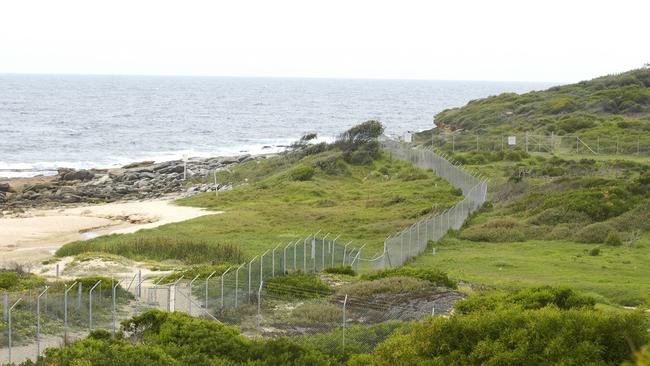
(273, 202)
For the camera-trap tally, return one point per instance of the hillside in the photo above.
(558, 215)
(617, 103)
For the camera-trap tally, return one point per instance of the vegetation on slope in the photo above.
(619, 103)
(582, 223)
(349, 188)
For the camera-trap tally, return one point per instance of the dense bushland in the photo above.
(614, 103)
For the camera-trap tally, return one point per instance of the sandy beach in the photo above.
(37, 233)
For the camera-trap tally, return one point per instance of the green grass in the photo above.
(269, 206)
(618, 275)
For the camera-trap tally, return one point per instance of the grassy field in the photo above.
(617, 275)
(274, 202)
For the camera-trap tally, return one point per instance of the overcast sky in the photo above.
(540, 40)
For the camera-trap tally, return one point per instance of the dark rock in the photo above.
(81, 175)
(3, 197)
(139, 164)
(172, 169)
(5, 187)
(38, 187)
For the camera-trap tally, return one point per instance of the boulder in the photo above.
(5, 187)
(81, 175)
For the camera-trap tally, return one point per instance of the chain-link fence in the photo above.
(412, 241)
(243, 295)
(591, 144)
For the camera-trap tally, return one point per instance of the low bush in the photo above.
(594, 252)
(558, 215)
(301, 173)
(613, 239)
(496, 230)
(297, 285)
(434, 276)
(530, 298)
(319, 313)
(594, 233)
(17, 279)
(344, 270)
(331, 164)
(389, 285)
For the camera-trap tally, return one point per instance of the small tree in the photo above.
(359, 144)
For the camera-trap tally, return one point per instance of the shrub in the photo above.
(359, 143)
(511, 336)
(317, 313)
(332, 164)
(497, 230)
(297, 285)
(284, 351)
(594, 252)
(557, 215)
(389, 285)
(301, 173)
(412, 173)
(434, 276)
(344, 270)
(613, 239)
(530, 298)
(594, 233)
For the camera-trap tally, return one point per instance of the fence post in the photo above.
(222, 297)
(284, 259)
(334, 248)
(259, 302)
(65, 312)
(345, 249)
(262, 266)
(250, 264)
(38, 321)
(207, 279)
(304, 255)
(9, 324)
(345, 302)
(114, 296)
(237, 284)
(295, 254)
(323, 250)
(79, 295)
(189, 295)
(90, 306)
(273, 261)
(139, 288)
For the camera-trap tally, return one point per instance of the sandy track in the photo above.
(38, 233)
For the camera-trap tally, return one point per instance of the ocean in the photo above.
(51, 121)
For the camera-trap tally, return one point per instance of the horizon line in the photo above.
(284, 77)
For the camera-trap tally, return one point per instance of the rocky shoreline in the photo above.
(137, 181)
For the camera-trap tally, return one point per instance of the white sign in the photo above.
(408, 137)
(512, 140)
